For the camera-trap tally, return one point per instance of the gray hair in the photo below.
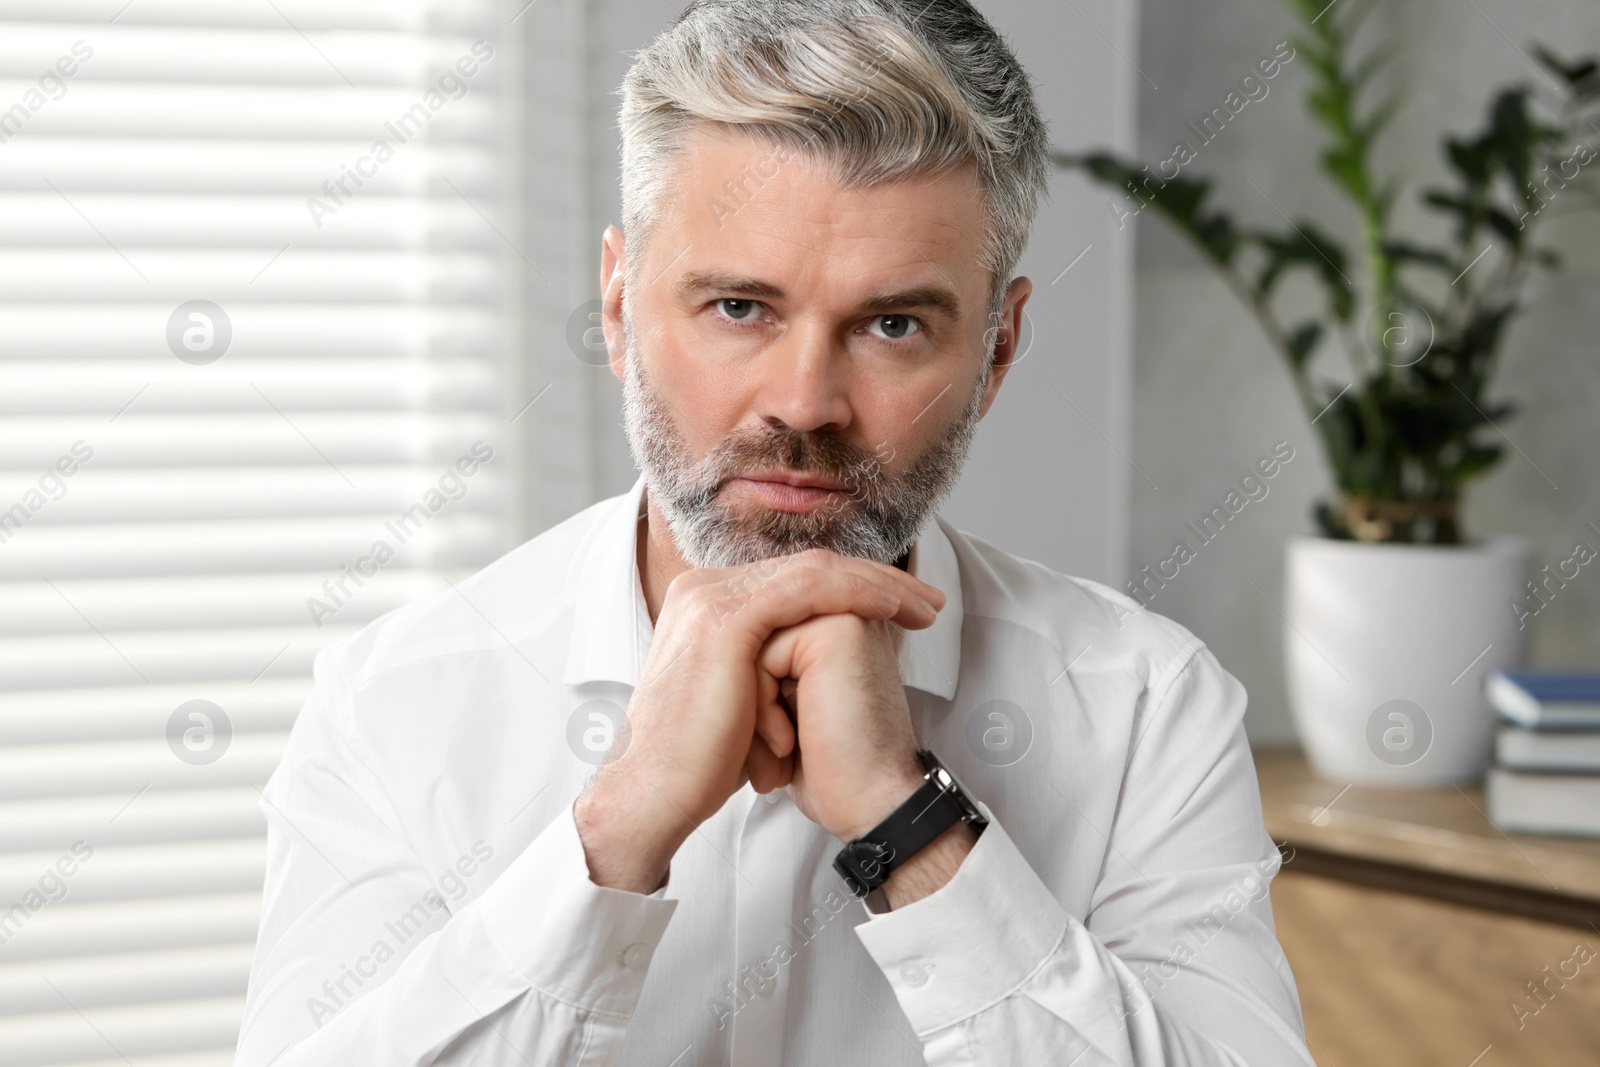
(880, 89)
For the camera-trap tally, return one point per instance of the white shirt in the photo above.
(427, 899)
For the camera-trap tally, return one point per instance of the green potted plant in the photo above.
(1393, 599)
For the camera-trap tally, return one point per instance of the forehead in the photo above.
(737, 205)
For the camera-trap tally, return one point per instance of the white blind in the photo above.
(196, 497)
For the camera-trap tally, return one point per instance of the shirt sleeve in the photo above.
(360, 959)
(1176, 965)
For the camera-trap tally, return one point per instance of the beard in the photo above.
(877, 517)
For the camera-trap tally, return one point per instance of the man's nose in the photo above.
(805, 380)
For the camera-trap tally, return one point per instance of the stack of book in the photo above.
(1546, 773)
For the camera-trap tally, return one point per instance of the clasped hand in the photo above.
(710, 711)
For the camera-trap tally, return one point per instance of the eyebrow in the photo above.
(696, 283)
(933, 298)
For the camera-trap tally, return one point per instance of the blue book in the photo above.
(1546, 700)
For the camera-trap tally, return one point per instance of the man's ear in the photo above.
(1006, 350)
(613, 268)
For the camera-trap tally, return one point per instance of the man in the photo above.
(882, 793)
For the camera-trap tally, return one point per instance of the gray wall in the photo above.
(1210, 396)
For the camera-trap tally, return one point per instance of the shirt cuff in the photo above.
(971, 942)
(583, 943)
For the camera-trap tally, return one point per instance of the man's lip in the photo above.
(803, 481)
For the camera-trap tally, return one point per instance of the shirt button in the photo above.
(635, 955)
(772, 797)
(915, 974)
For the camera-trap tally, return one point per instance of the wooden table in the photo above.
(1422, 935)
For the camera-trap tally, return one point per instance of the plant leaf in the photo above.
(1302, 342)
(1583, 76)
(1181, 200)
(1379, 118)
(1305, 246)
(1475, 461)
(1410, 253)
(1505, 226)
(1470, 158)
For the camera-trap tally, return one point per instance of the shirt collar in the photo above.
(611, 626)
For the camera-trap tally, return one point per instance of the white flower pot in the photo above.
(1386, 650)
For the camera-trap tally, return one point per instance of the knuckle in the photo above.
(802, 578)
(681, 585)
(855, 624)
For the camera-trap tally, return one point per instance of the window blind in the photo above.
(258, 280)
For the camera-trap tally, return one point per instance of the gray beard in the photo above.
(878, 519)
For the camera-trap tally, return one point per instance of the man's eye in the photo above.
(897, 327)
(737, 309)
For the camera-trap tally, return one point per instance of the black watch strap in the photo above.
(938, 804)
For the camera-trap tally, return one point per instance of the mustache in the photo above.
(826, 455)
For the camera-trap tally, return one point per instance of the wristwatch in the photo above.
(938, 804)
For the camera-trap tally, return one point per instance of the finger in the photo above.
(898, 579)
(765, 771)
(815, 575)
(785, 772)
(776, 660)
(829, 585)
(751, 576)
(772, 723)
(759, 764)
(904, 579)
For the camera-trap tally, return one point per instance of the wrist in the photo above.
(891, 792)
(918, 846)
(626, 848)
(931, 868)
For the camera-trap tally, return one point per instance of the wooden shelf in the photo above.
(1433, 836)
(1421, 935)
